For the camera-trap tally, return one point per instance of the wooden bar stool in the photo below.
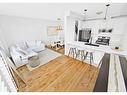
(80, 52)
(90, 52)
(72, 50)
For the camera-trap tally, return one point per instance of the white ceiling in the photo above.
(52, 11)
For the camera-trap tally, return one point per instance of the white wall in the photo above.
(124, 37)
(124, 42)
(69, 27)
(118, 26)
(3, 43)
(118, 35)
(17, 29)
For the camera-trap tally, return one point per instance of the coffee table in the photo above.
(34, 61)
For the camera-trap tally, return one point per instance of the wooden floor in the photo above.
(60, 50)
(62, 74)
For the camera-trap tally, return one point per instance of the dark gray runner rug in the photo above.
(102, 80)
(123, 63)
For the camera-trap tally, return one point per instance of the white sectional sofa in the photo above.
(35, 46)
(22, 51)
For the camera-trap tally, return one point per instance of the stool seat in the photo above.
(91, 55)
(72, 50)
(80, 48)
(80, 52)
(72, 46)
(90, 51)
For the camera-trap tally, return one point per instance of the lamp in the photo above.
(85, 14)
(106, 11)
(59, 28)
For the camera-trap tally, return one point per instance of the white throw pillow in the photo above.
(22, 51)
(30, 43)
(22, 45)
(38, 43)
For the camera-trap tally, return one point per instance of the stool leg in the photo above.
(73, 52)
(69, 51)
(77, 53)
(85, 55)
(82, 55)
(90, 62)
(90, 58)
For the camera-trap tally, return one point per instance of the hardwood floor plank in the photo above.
(61, 74)
(60, 83)
(66, 72)
(76, 78)
(47, 67)
(87, 81)
(42, 80)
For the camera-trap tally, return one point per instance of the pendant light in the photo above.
(85, 14)
(105, 18)
(59, 28)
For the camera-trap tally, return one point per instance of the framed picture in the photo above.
(52, 30)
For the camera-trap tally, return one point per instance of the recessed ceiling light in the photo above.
(85, 10)
(100, 12)
(108, 5)
(58, 18)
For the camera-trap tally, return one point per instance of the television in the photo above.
(84, 35)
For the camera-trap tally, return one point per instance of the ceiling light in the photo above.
(106, 11)
(59, 28)
(85, 14)
(100, 12)
(58, 18)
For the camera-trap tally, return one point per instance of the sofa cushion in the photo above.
(31, 43)
(23, 52)
(38, 43)
(22, 45)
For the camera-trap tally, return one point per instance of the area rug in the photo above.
(44, 57)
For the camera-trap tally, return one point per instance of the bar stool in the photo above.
(72, 50)
(90, 52)
(80, 52)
